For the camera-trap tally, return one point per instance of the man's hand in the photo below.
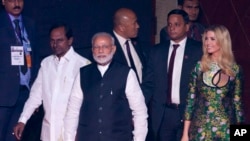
(18, 130)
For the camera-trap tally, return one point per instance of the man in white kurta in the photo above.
(53, 85)
(112, 124)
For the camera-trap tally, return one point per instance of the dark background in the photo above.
(86, 17)
(90, 16)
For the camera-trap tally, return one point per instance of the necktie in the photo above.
(132, 64)
(170, 73)
(19, 34)
(18, 30)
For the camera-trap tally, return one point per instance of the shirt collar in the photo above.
(181, 43)
(103, 69)
(19, 18)
(67, 56)
(121, 39)
(13, 18)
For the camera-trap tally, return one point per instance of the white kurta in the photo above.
(136, 104)
(52, 88)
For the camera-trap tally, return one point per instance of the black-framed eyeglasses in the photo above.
(102, 47)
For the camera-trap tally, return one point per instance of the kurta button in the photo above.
(101, 96)
(100, 132)
(102, 84)
(100, 108)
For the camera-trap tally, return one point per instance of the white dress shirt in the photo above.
(136, 103)
(52, 88)
(178, 61)
(136, 59)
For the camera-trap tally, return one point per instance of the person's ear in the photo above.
(187, 27)
(113, 48)
(122, 28)
(71, 40)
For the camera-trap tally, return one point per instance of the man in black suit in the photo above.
(168, 102)
(125, 31)
(17, 63)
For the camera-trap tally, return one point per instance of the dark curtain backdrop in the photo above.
(86, 18)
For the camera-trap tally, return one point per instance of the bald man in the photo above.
(130, 51)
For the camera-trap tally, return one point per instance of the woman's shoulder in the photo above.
(198, 65)
(236, 68)
(197, 68)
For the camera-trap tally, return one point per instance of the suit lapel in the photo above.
(187, 66)
(187, 53)
(6, 26)
(139, 51)
(29, 27)
(165, 53)
(119, 55)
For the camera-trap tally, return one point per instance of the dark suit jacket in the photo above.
(9, 75)
(142, 52)
(159, 59)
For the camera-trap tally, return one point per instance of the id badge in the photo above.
(17, 56)
(28, 50)
(27, 47)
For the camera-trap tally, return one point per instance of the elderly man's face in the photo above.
(59, 43)
(103, 50)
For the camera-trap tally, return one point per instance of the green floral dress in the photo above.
(211, 109)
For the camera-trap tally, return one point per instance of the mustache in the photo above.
(17, 7)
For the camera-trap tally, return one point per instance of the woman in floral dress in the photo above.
(214, 99)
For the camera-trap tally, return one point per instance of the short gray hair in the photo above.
(103, 34)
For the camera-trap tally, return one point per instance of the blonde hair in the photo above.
(226, 59)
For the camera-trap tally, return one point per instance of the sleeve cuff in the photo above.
(23, 120)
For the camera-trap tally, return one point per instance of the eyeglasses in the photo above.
(102, 47)
(12, 1)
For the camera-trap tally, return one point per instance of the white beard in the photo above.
(103, 60)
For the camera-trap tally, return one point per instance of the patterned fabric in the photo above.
(211, 110)
(209, 75)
